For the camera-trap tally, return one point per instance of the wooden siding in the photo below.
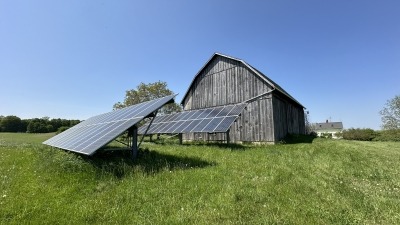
(288, 118)
(225, 81)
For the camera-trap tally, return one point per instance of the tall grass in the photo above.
(321, 182)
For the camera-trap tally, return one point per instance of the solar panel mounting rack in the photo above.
(209, 120)
(97, 131)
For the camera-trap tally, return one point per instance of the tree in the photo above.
(36, 126)
(10, 124)
(147, 92)
(1, 118)
(308, 125)
(391, 114)
(24, 125)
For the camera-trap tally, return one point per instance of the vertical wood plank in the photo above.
(226, 81)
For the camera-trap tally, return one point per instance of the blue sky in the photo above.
(75, 59)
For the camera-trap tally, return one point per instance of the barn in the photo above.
(271, 112)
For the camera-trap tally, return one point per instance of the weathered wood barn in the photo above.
(271, 112)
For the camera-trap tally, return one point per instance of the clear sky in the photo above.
(75, 59)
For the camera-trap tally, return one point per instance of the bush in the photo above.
(388, 135)
(339, 135)
(326, 135)
(297, 138)
(358, 134)
(313, 134)
(62, 129)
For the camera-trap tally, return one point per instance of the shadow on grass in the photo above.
(231, 146)
(298, 138)
(120, 163)
(221, 145)
(175, 141)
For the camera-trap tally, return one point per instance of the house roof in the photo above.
(257, 72)
(328, 126)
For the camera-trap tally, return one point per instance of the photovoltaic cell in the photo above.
(224, 111)
(225, 124)
(214, 112)
(236, 110)
(189, 125)
(214, 123)
(186, 115)
(194, 115)
(90, 135)
(200, 125)
(177, 126)
(217, 119)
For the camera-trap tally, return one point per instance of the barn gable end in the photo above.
(271, 112)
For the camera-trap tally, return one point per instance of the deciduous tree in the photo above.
(10, 124)
(391, 114)
(146, 92)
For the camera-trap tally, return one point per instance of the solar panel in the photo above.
(210, 120)
(97, 131)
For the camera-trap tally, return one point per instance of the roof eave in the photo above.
(194, 78)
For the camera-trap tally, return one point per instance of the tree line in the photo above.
(35, 125)
(142, 93)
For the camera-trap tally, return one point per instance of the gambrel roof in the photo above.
(274, 85)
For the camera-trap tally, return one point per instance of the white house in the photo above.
(328, 128)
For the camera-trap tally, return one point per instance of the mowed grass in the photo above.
(323, 182)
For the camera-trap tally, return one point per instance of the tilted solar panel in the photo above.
(210, 120)
(97, 131)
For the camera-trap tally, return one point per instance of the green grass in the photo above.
(323, 182)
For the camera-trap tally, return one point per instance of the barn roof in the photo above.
(257, 72)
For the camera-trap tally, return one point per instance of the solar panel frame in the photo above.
(166, 118)
(156, 126)
(213, 123)
(224, 111)
(182, 115)
(100, 141)
(215, 112)
(171, 126)
(174, 117)
(177, 126)
(97, 131)
(208, 112)
(225, 124)
(93, 137)
(162, 127)
(190, 124)
(187, 116)
(236, 110)
(194, 115)
(201, 124)
(210, 120)
(202, 114)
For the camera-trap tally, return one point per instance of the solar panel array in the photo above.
(210, 120)
(97, 131)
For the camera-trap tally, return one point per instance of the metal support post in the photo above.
(134, 145)
(147, 129)
(180, 138)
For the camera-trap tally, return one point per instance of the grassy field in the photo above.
(323, 182)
